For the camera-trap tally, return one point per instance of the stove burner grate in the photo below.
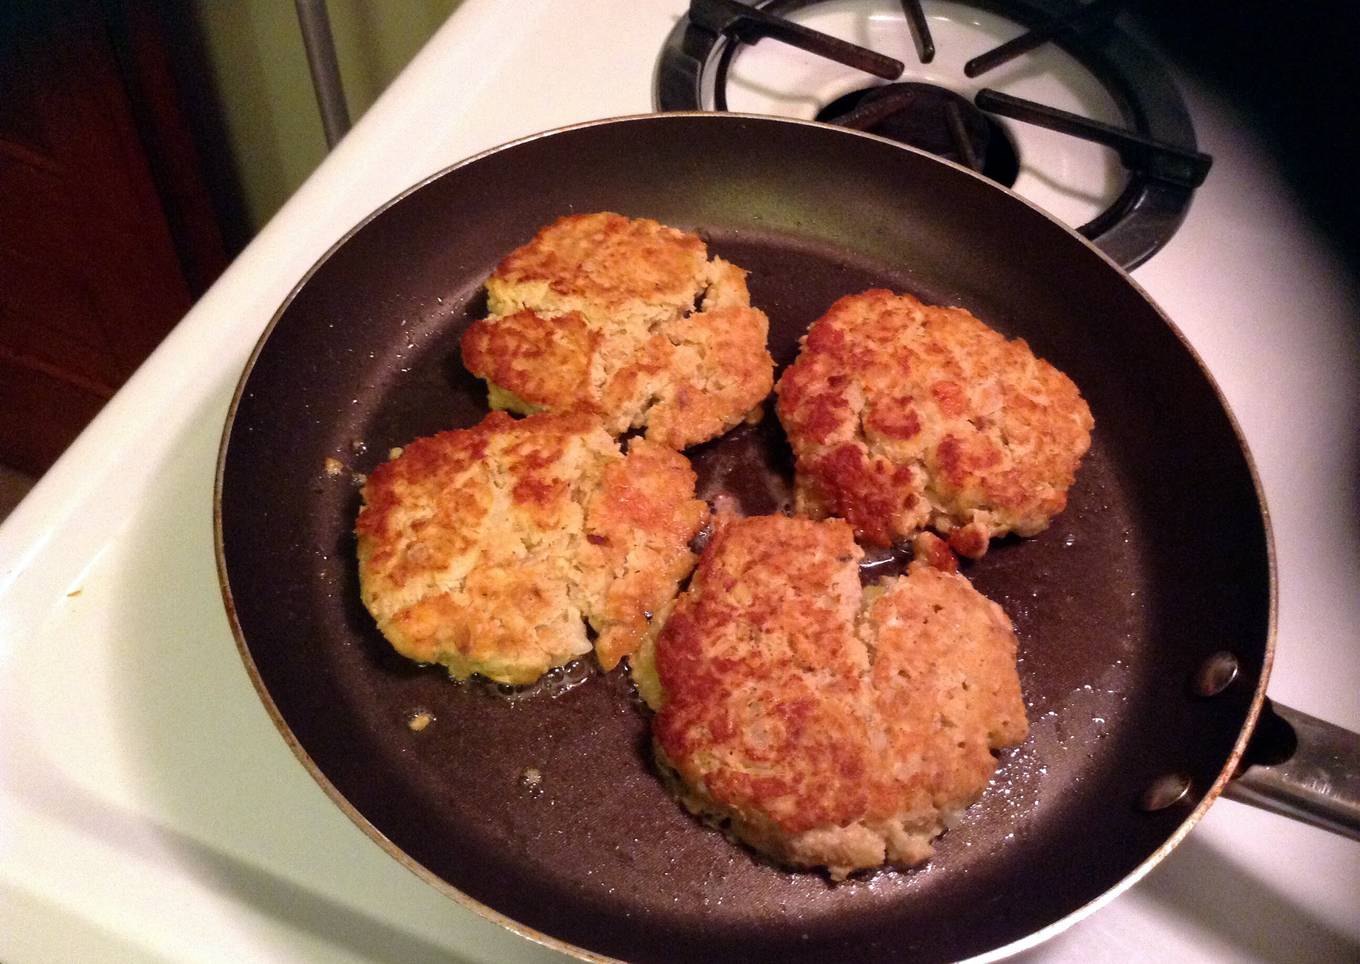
(747, 24)
(1157, 148)
(920, 30)
(1098, 13)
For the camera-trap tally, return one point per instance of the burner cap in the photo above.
(931, 118)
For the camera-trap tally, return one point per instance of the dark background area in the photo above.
(117, 205)
(1293, 69)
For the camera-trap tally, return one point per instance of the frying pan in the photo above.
(1145, 613)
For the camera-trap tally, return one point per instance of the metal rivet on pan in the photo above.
(1164, 791)
(1215, 673)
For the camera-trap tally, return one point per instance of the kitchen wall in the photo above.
(272, 127)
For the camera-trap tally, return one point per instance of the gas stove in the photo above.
(1052, 99)
(149, 809)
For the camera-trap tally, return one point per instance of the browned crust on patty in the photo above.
(824, 724)
(598, 314)
(904, 416)
(612, 260)
(488, 549)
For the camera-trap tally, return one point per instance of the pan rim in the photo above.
(488, 913)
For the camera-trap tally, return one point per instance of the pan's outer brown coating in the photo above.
(904, 416)
(825, 724)
(485, 548)
(597, 314)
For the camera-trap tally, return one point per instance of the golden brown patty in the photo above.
(824, 724)
(903, 416)
(488, 548)
(598, 314)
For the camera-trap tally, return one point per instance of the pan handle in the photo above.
(1302, 767)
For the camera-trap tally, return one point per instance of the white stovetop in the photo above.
(150, 811)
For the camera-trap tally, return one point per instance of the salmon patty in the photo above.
(490, 549)
(825, 724)
(903, 416)
(628, 320)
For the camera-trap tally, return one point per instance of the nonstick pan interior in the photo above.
(1160, 560)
